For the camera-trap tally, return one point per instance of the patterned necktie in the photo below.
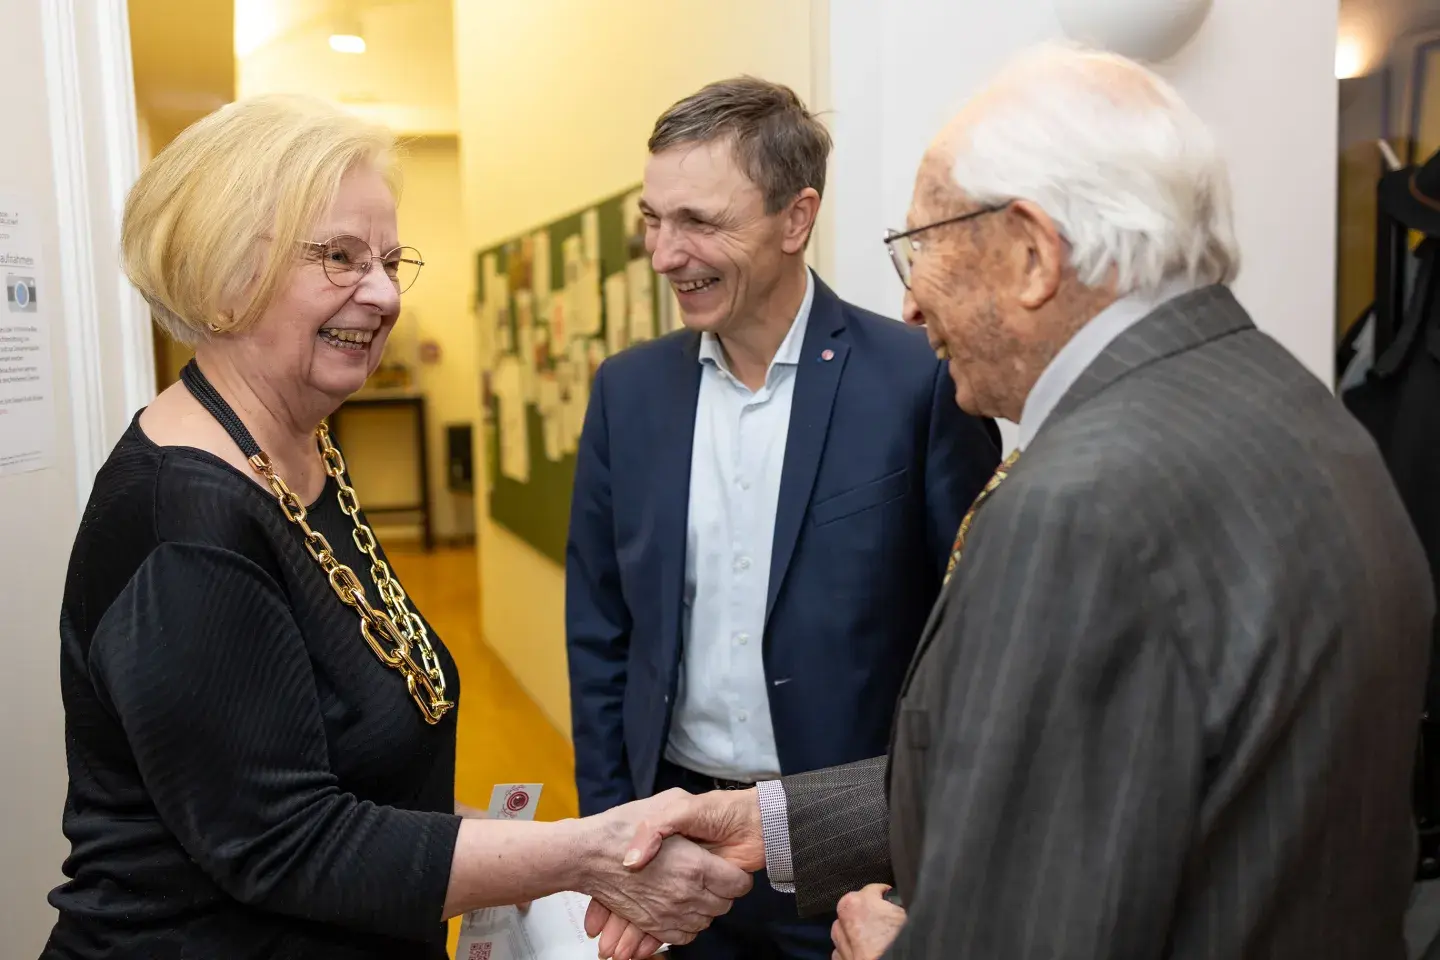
(1001, 472)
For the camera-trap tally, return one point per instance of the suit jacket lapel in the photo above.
(816, 381)
(1181, 324)
(675, 437)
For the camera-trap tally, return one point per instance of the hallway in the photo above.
(503, 737)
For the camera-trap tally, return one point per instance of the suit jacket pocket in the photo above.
(863, 497)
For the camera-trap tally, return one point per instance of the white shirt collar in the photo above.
(789, 352)
(1084, 349)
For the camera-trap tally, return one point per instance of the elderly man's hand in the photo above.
(867, 924)
(726, 822)
(673, 898)
(669, 897)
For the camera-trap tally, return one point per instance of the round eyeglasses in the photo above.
(347, 259)
(903, 248)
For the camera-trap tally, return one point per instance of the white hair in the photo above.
(1130, 175)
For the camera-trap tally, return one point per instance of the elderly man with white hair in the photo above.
(1166, 705)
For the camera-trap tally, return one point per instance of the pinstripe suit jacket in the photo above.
(1167, 706)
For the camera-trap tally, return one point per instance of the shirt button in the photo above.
(742, 638)
(743, 484)
(743, 563)
(742, 716)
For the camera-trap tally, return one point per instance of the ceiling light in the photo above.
(1349, 59)
(257, 22)
(347, 43)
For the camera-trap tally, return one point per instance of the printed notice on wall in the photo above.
(27, 413)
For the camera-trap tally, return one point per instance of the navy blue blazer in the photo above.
(880, 465)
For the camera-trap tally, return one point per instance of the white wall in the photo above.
(556, 102)
(69, 150)
(1262, 74)
(40, 507)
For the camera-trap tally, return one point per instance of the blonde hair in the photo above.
(209, 228)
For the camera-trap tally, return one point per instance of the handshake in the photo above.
(665, 867)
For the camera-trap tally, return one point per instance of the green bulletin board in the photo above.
(552, 304)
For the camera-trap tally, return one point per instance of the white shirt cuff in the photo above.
(775, 828)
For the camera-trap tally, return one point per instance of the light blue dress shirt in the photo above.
(721, 725)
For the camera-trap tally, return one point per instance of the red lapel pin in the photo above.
(827, 355)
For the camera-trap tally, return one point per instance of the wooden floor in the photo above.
(503, 736)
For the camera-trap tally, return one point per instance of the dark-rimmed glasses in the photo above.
(347, 259)
(903, 249)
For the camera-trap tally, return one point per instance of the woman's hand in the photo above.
(727, 823)
(671, 899)
(674, 897)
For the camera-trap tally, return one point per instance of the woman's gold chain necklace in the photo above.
(391, 635)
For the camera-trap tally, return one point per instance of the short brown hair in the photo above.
(780, 144)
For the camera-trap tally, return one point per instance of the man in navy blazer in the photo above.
(764, 501)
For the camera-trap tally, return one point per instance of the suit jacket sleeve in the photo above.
(597, 622)
(963, 452)
(1062, 751)
(839, 832)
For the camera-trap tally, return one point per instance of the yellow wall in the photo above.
(380, 448)
(437, 310)
(556, 101)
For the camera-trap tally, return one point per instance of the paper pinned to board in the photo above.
(553, 928)
(513, 424)
(590, 230)
(587, 300)
(551, 416)
(617, 313)
(540, 281)
(574, 394)
(582, 288)
(525, 352)
(559, 327)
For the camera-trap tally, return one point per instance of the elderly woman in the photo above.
(260, 725)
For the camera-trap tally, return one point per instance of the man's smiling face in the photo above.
(708, 233)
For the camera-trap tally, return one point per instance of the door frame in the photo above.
(95, 144)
